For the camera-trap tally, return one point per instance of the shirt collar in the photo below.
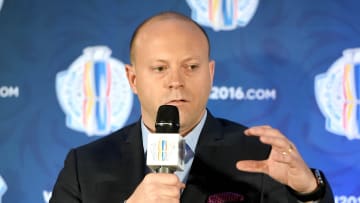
(191, 138)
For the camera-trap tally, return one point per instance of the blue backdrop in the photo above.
(279, 62)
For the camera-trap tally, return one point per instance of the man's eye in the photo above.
(159, 68)
(193, 66)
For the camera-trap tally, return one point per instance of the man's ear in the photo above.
(131, 76)
(212, 70)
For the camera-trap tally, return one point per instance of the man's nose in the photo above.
(176, 78)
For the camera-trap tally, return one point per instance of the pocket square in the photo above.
(225, 197)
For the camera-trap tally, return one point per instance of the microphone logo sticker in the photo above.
(337, 93)
(94, 93)
(3, 188)
(223, 14)
(162, 150)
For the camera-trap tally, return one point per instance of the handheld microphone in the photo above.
(166, 148)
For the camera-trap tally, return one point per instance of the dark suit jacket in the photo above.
(109, 169)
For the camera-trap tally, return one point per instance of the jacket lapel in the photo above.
(213, 170)
(126, 164)
(198, 176)
(134, 151)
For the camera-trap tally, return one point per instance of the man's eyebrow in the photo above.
(161, 60)
(190, 58)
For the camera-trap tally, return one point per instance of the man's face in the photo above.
(171, 66)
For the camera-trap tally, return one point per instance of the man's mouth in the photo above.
(177, 102)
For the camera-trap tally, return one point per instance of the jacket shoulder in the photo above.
(116, 137)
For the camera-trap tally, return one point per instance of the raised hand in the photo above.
(284, 163)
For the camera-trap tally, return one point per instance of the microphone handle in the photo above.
(164, 169)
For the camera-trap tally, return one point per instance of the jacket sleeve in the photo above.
(327, 197)
(67, 188)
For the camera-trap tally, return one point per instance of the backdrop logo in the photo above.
(94, 92)
(3, 188)
(337, 93)
(9, 91)
(46, 195)
(223, 14)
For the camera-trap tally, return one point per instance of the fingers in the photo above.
(261, 131)
(283, 156)
(158, 187)
(284, 162)
(273, 137)
(252, 166)
(165, 184)
(165, 179)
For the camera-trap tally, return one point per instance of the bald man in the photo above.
(170, 64)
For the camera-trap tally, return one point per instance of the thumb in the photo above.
(252, 166)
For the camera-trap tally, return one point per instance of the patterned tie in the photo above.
(188, 153)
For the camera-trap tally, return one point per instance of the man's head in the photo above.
(164, 16)
(170, 65)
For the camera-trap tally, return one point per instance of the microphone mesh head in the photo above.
(167, 119)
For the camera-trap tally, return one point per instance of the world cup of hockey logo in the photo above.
(163, 150)
(338, 95)
(223, 14)
(94, 93)
(3, 188)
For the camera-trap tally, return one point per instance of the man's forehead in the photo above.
(169, 16)
(165, 23)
